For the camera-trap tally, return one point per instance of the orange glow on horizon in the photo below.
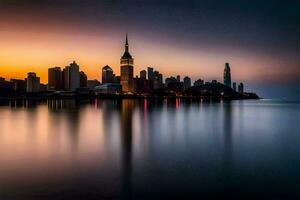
(23, 52)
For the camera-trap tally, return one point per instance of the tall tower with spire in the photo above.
(227, 75)
(126, 62)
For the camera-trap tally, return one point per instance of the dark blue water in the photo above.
(140, 149)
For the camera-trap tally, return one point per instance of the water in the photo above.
(137, 149)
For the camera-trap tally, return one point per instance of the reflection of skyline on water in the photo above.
(138, 148)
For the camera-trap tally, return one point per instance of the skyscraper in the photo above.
(107, 75)
(143, 74)
(126, 62)
(71, 77)
(241, 88)
(83, 79)
(74, 76)
(54, 78)
(150, 73)
(157, 80)
(187, 82)
(65, 78)
(234, 86)
(32, 82)
(227, 75)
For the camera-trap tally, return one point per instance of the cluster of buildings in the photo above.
(71, 79)
(227, 80)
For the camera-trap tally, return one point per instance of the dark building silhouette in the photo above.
(214, 81)
(43, 87)
(227, 75)
(91, 84)
(143, 74)
(5, 86)
(32, 82)
(187, 82)
(173, 84)
(241, 88)
(117, 79)
(55, 78)
(126, 62)
(170, 80)
(157, 80)
(142, 86)
(83, 79)
(199, 82)
(234, 86)
(150, 73)
(65, 80)
(107, 75)
(18, 85)
(71, 77)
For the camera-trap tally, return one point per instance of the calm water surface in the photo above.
(137, 149)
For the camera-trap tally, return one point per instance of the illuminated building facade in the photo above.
(126, 62)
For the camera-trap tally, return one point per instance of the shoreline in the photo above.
(119, 97)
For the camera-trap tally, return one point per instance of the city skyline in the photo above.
(21, 73)
(260, 43)
(149, 99)
(102, 70)
(71, 78)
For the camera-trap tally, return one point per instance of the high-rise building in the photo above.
(54, 78)
(65, 78)
(74, 76)
(107, 75)
(227, 75)
(241, 88)
(71, 77)
(83, 79)
(187, 82)
(126, 62)
(199, 82)
(150, 73)
(143, 74)
(32, 82)
(157, 80)
(234, 86)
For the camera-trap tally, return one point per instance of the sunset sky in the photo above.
(260, 39)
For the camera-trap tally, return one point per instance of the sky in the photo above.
(260, 39)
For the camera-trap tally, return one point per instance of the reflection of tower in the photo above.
(227, 75)
(126, 137)
(126, 62)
